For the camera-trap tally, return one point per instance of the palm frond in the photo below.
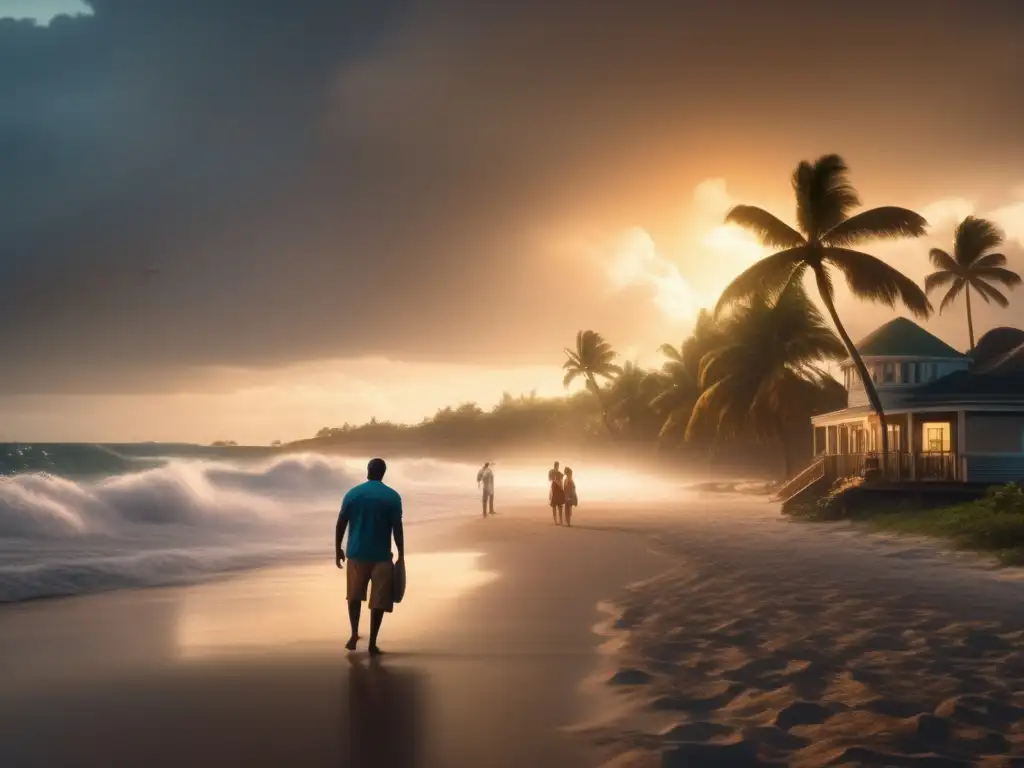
(878, 223)
(937, 280)
(1006, 277)
(824, 195)
(990, 260)
(973, 237)
(673, 354)
(953, 293)
(988, 292)
(770, 230)
(769, 275)
(571, 376)
(871, 278)
(942, 260)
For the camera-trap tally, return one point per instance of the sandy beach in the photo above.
(712, 632)
(779, 643)
(484, 658)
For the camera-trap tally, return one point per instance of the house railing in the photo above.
(899, 467)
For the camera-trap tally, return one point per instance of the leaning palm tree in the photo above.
(593, 358)
(825, 241)
(765, 378)
(972, 265)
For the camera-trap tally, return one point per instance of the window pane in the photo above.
(905, 373)
(935, 437)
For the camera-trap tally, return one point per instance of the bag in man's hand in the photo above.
(398, 580)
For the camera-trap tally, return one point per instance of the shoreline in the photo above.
(489, 647)
(710, 632)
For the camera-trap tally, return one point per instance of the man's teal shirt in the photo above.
(372, 510)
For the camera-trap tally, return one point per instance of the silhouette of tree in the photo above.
(629, 398)
(765, 375)
(679, 378)
(972, 265)
(592, 358)
(827, 233)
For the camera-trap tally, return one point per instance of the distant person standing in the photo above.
(556, 496)
(372, 514)
(569, 489)
(485, 481)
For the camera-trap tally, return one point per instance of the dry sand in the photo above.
(779, 643)
(745, 639)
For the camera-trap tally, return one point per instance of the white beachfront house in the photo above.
(951, 416)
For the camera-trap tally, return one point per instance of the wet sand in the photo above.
(485, 657)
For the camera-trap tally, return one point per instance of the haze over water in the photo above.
(80, 519)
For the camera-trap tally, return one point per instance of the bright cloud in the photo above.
(710, 254)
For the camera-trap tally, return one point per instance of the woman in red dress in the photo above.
(569, 491)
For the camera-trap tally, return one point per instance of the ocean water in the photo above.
(86, 518)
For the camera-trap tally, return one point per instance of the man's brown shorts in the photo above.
(361, 573)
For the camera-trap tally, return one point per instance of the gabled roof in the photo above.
(903, 337)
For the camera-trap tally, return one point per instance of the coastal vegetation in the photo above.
(993, 523)
(752, 372)
(744, 379)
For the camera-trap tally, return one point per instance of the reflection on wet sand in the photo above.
(386, 715)
(305, 606)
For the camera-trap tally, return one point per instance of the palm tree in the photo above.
(679, 377)
(593, 358)
(629, 400)
(765, 376)
(972, 265)
(825, 240)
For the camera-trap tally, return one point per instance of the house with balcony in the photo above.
(951, 416)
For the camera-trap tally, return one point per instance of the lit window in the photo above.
(935, 437)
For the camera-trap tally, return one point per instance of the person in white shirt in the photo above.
(485, 481)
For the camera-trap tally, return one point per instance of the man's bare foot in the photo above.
(352, 643)
(375, 651)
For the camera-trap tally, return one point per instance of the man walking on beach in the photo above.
(372, 513)
(485, 480)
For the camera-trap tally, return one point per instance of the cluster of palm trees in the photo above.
(753, 366)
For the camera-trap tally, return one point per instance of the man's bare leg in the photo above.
(376, 617)
(354, 609)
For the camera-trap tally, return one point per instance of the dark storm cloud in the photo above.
(251, 182)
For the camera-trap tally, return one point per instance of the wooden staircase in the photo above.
(801, 482)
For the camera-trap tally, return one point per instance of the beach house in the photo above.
(951, 416)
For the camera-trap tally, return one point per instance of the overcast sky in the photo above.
(248, 219)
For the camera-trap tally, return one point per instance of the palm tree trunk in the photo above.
(862, 370)
(970, 322)
(596, 389)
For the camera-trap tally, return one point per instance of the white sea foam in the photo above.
(186, 519)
